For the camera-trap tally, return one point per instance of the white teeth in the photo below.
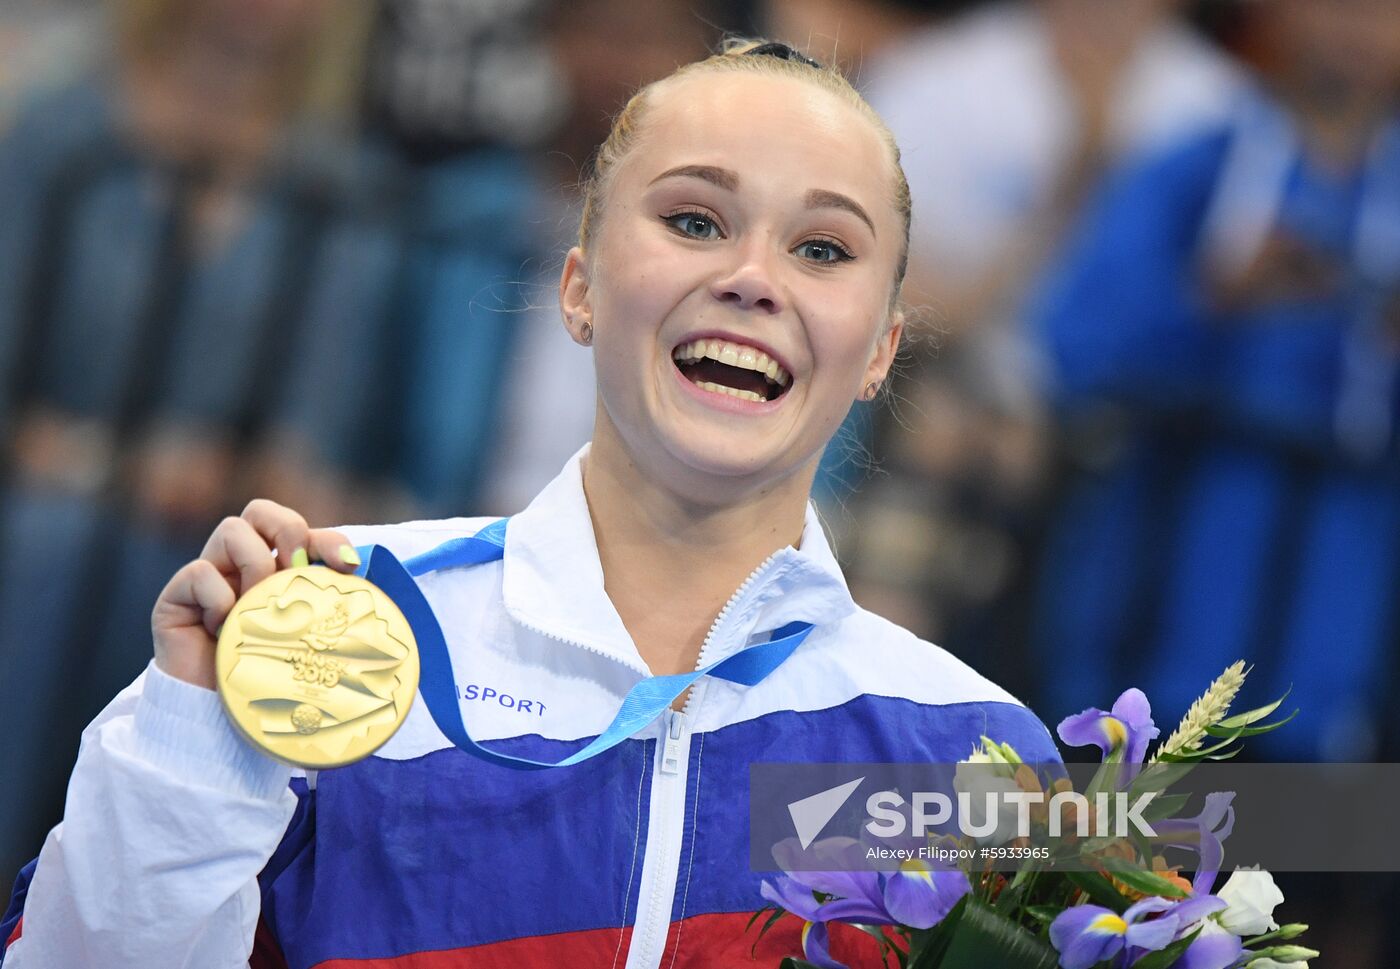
(731, 391)
(735, 355)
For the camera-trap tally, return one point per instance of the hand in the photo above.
(1285, 269)
(180, 473)
(239, 554)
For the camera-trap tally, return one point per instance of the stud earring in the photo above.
(871, 389)
(585, 333)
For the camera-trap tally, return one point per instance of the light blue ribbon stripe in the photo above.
(640, 707)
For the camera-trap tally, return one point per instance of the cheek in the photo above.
(843, 340)
(644, 279)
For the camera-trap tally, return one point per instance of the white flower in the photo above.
(984, 779)
(1264, 962)
(1250, 898)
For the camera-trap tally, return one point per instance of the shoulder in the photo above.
(916, 689)
(924, 671)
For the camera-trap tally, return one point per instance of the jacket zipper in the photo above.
(671, 751)
(666, 827)
(723, 615)
(661, 861)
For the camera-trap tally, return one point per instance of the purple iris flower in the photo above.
(844, 873)
(1214, 948)
(1128, 727)
(1203, 834)
(1207, 948)
(916, 895)
(1089, 934)
(920, 896)
(816, 946)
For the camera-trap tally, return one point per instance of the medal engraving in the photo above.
(316, 668)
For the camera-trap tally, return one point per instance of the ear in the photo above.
(885, 349)
(573, 294)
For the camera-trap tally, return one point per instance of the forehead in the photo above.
(772, 131)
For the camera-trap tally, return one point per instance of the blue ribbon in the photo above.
(640, 707)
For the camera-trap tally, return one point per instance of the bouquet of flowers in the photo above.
(1076, 901)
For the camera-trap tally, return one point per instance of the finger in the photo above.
(283, 528)
(236, 547)
(334, 549)
(197, 594)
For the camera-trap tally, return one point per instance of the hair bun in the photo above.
(782, 52)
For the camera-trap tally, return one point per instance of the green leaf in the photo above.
(777, 914)
(918, 941)
(1165, 806)
(983, 938)
(1226, 756)
(1252, 731)
(1229, 735)
(1188, 758)
(1255, 715)
(877, 933)
(1163, 958)
(1144, 849)
(1142, 881)
(754, 917)
(1161, 775)
(1099, 889)
(1044, 913)
(927, 952)
(886, 946)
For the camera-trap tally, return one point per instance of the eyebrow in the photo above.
(820, 198)
(817, 198)
(723, 177)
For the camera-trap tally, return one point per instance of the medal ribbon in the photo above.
(640, 707)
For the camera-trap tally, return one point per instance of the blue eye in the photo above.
(823, 250)
(697, 225)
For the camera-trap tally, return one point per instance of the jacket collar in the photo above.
(553, 579)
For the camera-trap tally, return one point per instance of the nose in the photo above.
(750, 283)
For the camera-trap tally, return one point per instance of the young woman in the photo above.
(737, 277)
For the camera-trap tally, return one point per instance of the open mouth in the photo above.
(721, 367)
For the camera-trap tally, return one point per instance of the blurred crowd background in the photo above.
(306, 249)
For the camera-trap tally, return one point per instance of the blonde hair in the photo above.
(734, 58)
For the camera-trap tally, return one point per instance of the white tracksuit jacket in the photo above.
(181, 846)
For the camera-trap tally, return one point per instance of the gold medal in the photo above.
(316, 668)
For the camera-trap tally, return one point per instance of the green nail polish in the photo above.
(348, 555)
(300, 559)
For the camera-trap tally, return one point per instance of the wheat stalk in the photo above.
(1209, 709)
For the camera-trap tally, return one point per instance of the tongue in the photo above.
(722, 373)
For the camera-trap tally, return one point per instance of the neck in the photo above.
(670, 563)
